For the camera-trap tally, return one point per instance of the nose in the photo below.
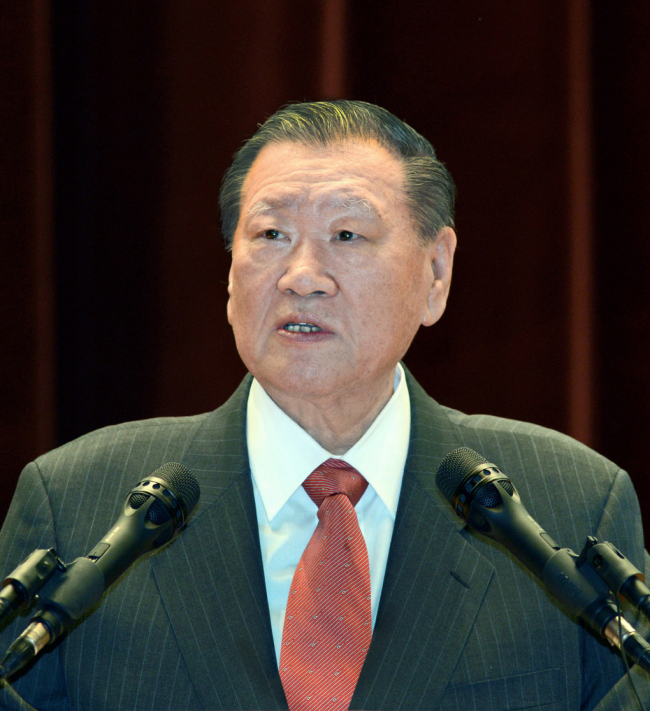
(306, 271)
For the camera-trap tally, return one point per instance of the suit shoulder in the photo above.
(112, 458)
(136, 429)
(130, 449)
(521, 446)
(537, 441)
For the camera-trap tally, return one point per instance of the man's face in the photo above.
(329, 282)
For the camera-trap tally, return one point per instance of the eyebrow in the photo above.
(349, 202)
(352, 202)
(262, 207)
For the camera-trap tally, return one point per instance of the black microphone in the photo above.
(154, 512)
(488, 502)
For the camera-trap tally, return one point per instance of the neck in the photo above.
(336, 421)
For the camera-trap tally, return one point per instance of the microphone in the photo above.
(488, 502)
(155, 511)
(21, 585)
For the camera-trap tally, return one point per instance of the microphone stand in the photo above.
(617, 572)
(22, 585)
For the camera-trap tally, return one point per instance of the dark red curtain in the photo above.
(119, 125)
(27, 315)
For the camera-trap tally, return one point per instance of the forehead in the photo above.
(363, 176)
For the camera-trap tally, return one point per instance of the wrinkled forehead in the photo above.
(326, 200)
(357, 176)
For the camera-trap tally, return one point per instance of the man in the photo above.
(340, 220)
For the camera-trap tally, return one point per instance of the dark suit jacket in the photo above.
(461, 625)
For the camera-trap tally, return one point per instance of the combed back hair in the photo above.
(428, 186)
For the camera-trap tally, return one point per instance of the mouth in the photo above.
(301, 327)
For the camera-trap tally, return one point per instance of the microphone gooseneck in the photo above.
(485, 498)
(155, 511)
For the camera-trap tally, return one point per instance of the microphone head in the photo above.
(182, 481)
(467, 480)
(455, 467)
(180, 493)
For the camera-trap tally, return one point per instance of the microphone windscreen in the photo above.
(455, 467)
(181, 480)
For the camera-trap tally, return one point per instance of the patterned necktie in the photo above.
(328, 623)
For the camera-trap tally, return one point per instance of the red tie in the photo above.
(328, 624)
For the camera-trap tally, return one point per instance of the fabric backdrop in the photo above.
(118, 121)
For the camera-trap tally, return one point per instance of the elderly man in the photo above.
(323, 570)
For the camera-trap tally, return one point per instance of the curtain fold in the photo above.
(113, 275)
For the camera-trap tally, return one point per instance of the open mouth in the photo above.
(302, 328)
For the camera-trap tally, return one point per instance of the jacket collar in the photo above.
(435, 580)
(212, 582)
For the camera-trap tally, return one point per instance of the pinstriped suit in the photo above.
(460, 624)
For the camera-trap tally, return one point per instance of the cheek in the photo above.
(398, 289)
(243, 284)
(250, 296)
(239, 298)
(398, 300)
(380, 309)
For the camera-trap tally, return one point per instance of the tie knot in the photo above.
(335, 477)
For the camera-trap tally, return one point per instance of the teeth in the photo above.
(302, 328)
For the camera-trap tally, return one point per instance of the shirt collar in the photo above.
(282, 455)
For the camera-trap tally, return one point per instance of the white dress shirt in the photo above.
(282, 455)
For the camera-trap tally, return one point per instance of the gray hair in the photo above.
(428, 185)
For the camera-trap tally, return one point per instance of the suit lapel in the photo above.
(435, 581)
(212, 583)
(211, 580)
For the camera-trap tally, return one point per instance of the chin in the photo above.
(300, 380)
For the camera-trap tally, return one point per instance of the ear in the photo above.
(229, 304)
(441, 256)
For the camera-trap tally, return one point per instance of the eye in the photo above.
(272, 234)
(346, 235)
